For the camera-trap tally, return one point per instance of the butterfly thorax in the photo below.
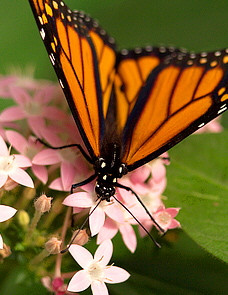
(108, 169)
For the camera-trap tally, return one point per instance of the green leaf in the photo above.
(19, 281)
(198, 183)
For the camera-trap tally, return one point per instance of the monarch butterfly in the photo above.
(133, 105)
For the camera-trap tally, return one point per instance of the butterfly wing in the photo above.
(133, 69)
(83, 56)
(178, 96)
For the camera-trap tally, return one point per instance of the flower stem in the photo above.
(63, 234)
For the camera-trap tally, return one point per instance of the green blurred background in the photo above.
(178, 268)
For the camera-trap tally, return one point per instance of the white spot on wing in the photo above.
(42, 33)
(222, 110)
(201, 125)
(52, 58)
(61, 83)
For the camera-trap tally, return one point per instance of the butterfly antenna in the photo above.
(140, 201)
(136, 219)
(81, 227)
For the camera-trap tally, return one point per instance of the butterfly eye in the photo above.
(122, 170)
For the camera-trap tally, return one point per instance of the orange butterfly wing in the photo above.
(178, 96)
(133, 69)
(83, 57)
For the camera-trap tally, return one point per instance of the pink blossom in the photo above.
(72, 166)
(28, 148)
(95, 272)
(110, 229)
(11, 166)
(88, 199)
(165, 217)
(33, 107)
(6, 212)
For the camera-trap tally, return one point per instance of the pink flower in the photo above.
(72, 166)
(165, 217)
(95, 270)
(11, 166)
(33, 107)
(111, 228)
(6, 212)
(29, 148)
(88, 199)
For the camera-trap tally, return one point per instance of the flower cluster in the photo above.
(37, 110)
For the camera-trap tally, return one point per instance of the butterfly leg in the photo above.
(140, 201)
(88, 180)
(67, 146)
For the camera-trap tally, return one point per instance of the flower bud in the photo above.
(53, 246)
(82, 237)
(43, 204)
(23, 218)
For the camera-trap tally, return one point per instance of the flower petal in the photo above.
(103, 253)
(114, 211)
(53, 113)
(40, 172)
(129, 237)
(37, 124)
(6, 212)
(12, 114)
(108, 231)
(172, 211)
(80, 199)
(56, 184)
(96, 220)
(20, 176)
(114, 274)
(67, 174)
(1, 243)
(22, 161)
(79, 282)
(3, 179)
(46, 157)
(17, 140)
(82, 256)
(3, 148)
(99, 288)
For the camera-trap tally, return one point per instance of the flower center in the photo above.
(6, 164)
(33, 108)
(96, 271)
(164, 218)
(68, 155)
(31, 152)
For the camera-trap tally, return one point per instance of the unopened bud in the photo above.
(23, 218)
(82, 237)
(43, 204)
(53, 246)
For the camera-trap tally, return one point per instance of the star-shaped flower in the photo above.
(95, 270)
(11, 166)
